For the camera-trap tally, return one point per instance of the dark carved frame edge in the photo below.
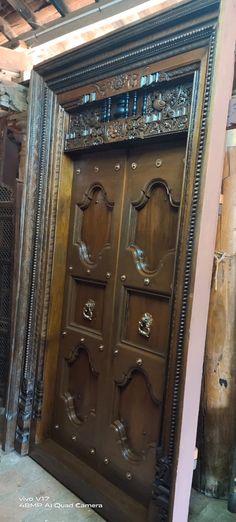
(28, 337)
(192, 10)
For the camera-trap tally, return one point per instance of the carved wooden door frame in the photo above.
(182, 38)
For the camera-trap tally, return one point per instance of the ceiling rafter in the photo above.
(6, 29)
(78, 19)
(25, 12)
(60, 7)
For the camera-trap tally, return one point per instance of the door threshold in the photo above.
(87, 484)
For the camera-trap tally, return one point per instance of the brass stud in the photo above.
(74, 438)
(106, 460)
(56, 426)
(117, 167)
(92, 451)
(101, 348)
(70, 267)
(133, 165)
(88, 271)
(128, 476)
(158, 162)
(139, 362)
(116, 352)
(96, 168)
(64, 332)
(108, 275)
(82, 340)
(146, 281)
(123, 277)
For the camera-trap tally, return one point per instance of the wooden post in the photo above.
(217, 418)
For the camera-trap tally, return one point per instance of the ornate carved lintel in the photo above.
(131, 81)
(144, 115)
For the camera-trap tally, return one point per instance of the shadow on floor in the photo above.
(206, 509)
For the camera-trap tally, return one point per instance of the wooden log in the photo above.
(11, 60)
(216, 436)
(6, 29)
(13, 96)
(60, 6)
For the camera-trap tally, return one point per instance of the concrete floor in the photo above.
(21, 478)
(29, 494)
(205, 509)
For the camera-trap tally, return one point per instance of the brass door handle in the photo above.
(144, 325)
(88, 309)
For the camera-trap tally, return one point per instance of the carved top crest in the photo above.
(140, 114)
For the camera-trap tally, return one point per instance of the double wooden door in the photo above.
(114, 354)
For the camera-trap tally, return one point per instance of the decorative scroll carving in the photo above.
(24, 412)
(95, 207)
(144, 325)
(81, 397)
(166, 208)
(161, 486)
(131, 81)
(135, 444)
(74, 353)
(146, 114)
(38, 399)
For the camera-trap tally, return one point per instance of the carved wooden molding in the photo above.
(36, 252)
(147, 113)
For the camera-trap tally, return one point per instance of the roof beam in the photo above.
(6, 29)
(24, 11)
(11, 60)
(79, 19)
(60, 7)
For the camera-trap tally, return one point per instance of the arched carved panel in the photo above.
(155, 223)
(136, 426)
(92, 227)
(81, 397)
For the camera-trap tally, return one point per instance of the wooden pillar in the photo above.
(217, 418)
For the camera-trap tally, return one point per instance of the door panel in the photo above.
(137, 375)
(89, 294)
(117, 311)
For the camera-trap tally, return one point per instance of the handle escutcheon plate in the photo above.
(144, 325)
(88, 310)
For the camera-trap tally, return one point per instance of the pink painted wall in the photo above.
(223, 79)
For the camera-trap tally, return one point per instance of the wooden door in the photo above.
(114, 354)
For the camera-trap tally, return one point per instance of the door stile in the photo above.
(110, 352)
